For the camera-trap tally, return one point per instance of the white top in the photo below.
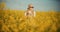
(29, 13)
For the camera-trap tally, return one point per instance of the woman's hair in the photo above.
(30, 6)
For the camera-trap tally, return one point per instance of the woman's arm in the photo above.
(34, 14)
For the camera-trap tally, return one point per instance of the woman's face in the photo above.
(31, 9)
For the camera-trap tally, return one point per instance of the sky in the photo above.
(41, 5)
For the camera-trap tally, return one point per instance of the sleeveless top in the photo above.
(30, 13)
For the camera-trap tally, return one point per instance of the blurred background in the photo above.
(39, 5)
(12, 18)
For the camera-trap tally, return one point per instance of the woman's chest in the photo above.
(30, 12)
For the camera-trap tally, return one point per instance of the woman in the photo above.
(30, 16)
(30, 12)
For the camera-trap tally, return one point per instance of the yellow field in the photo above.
(15, 21)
